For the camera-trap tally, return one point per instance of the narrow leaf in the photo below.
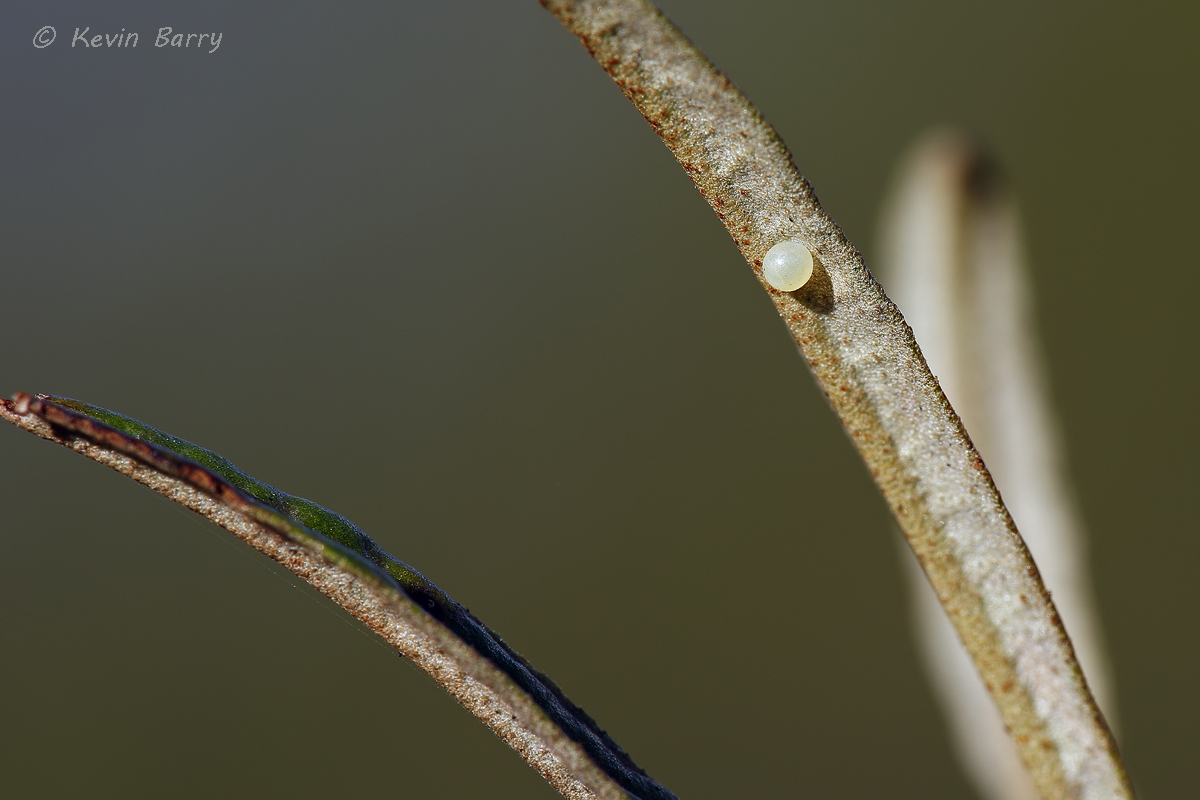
(951, 256)
(867, 362)
(521, 705)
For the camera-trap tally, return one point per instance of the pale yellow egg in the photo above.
(787, 266)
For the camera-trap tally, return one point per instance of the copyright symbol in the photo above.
(44, 37)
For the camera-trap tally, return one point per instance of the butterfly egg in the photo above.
(787, 266)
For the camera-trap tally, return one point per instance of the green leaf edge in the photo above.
(345, 544)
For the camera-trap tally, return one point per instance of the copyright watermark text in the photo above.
(166, 37)
(44, 37)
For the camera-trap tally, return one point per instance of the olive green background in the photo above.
(423, 264)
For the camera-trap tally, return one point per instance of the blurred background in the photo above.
(422, 263)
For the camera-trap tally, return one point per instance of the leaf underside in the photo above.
(604, 770)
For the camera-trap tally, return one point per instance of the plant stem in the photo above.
(870, 368)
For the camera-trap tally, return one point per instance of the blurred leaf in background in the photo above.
(349, 217)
